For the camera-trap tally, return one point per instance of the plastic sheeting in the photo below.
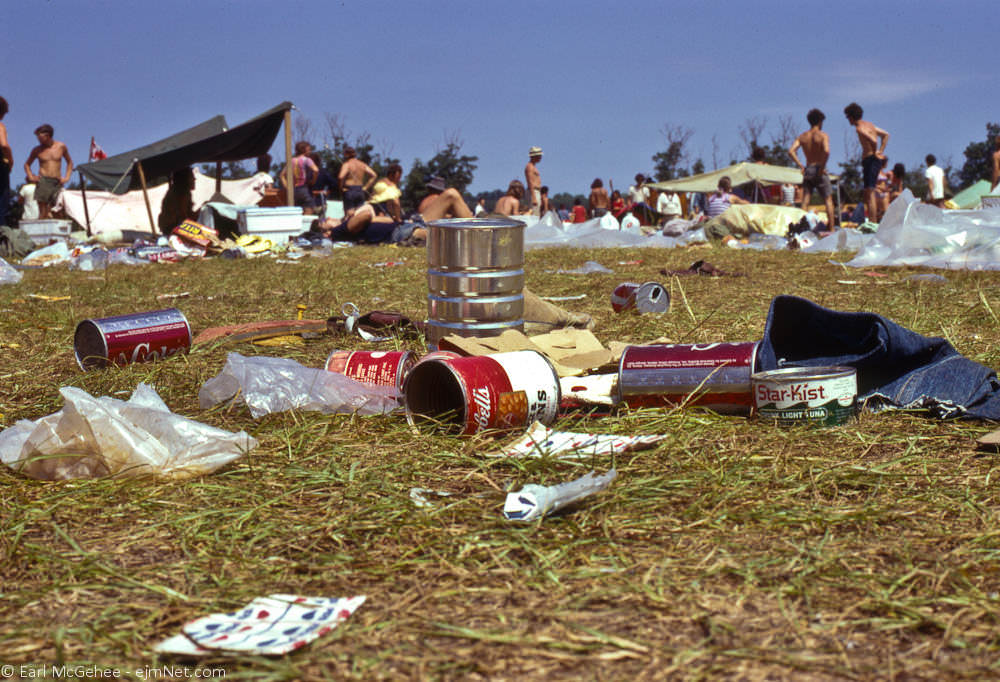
(596, 233)
(914, 233)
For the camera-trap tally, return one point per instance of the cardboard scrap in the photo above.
(572, 351)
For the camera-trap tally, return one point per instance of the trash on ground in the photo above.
(930, 277)
(593, 389)
(92, 437)
(49, 299)
(571, 351)
(278, 384)
(542, 441)
(137, 337)
(649, 297)
(252, 331)
(793, 396)
(420, 495)
(268, 626)
(535, 501)
(556, 299)
(8, 273)
(164, 297)
(588, 268)
(53, 254)
(381, 368)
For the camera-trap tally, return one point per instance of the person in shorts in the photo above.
(815, 144)
(872, 153)
(50, 179)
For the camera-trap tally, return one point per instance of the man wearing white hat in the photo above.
(534, 180)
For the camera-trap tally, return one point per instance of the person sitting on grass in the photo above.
(363, 226)
(510, 203)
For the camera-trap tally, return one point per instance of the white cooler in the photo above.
(44, 231)
(279, 223)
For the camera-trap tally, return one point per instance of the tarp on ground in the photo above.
(739, 174)
(127, 212)
(206, 142)
(971, 195)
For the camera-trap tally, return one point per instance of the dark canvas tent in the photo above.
(205, 142)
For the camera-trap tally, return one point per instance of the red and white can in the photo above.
(381, 368)
(649, 297)
(468, 395)
(714, 375)
(124, 339)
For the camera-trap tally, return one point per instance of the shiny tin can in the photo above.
(791, 396)
(380, 368)
(649, 297)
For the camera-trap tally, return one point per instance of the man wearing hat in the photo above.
(435, 186)
(534, 180)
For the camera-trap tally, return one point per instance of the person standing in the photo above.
(533, 179)
(355, 177)
(50, 180)
(815, 145)
(935, 182)
(598, 203)
(872, 153)
(668, 205)
(639, 200)
(6, 164)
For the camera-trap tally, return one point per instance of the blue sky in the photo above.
(593, 84)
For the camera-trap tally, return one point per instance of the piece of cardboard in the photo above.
(572, 351)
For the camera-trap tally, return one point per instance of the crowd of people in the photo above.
(373, 211)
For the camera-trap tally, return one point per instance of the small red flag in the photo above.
(96, 153)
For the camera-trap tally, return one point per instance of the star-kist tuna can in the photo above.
(649, 297)
(824, 396)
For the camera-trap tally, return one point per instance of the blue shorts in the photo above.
(870, 167)
(354, 196)
(375, 233)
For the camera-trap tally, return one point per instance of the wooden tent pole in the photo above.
(86, 211)
(218, 177)
(289, 177)
(145, 196)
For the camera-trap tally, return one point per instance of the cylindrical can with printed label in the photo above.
(713, 375)
(124, 339)
(381, 368)
(468, 395)
(791, 396)
(649, 297)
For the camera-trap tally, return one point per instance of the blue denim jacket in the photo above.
(896, 367)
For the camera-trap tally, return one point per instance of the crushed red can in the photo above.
(467, 395)
(649, 297)
(713, 375)
(381, 368)
(124, 339)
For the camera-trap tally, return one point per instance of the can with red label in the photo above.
(650, 297)
(138, 337)
(714, 375)
(381, 368)
(467, 395)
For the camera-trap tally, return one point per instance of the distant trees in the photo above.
(775, 153)
(978, 163)
(457, 169)
(669, 164)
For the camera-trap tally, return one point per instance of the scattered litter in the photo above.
(541, 441)
(419, 496)
(289, 340)
(592, 389)
(930, 277)
(92, 437)
(577, 297)
(848, 281)
(267, 626)
(278, 384)
(388, 264)
(250, 331)
(53, 254)
(649, 297)
(588, 268)
(630, 262)
(165, 297)
(535, 501)
(8, 273)
(49, 299)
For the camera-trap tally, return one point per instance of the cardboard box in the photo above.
(44, 231)
(279, 223)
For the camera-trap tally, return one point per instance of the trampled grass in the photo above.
(734, 550)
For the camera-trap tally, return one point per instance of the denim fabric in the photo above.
(896, 367)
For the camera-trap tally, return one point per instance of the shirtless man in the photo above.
(510, 203)
(871, 158)
(50, 154)
(598, 201)
(6, 164)
(435, 187)
(355, 178)
(996, 161)
(533, 179)
(815, 145)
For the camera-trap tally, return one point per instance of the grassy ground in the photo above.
(734, 550)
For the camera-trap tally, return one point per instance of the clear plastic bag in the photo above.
(92, 437)
(8, 273)
(279, 384)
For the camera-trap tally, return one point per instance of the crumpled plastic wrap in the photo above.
(278, 384)
(8, 273)
(93, 437)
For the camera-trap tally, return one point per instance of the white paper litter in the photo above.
(267, 626)
(541, 441)
(91, 437)
(535, 501)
